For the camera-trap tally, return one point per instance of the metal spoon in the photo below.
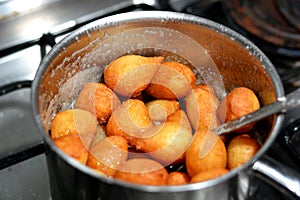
(282, 104)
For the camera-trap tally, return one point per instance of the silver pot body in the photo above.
(222, 58)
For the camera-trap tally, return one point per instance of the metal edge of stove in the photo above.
(13, 171)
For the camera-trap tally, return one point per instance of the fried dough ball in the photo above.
(240, 150)
(98, 99)
(143, 171)
(172, 81)
(178, 178)
(75, 121)
(129, 120)
(207, 151)
(179, 116)
(130, 74)
(166, 143)
(209, 174)
(239, 102)
(201, 108)
(108, 154)
(72, 146)
(160, 109)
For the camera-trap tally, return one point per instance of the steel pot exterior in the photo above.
(218, 52)
(68, 182)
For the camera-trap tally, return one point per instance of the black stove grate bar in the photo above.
(49, 38)
(14, 86)
(27, 153)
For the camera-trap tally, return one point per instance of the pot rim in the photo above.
(114, 20)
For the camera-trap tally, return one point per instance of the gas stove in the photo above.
(28, 32)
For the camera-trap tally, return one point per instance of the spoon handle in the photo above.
(282, 104)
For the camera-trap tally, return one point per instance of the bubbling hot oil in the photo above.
(149, 52)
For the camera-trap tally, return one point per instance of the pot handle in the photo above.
(278, 175)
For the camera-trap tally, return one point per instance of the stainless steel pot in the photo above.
(221, 57)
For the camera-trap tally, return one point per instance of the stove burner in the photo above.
(290, 9)
(269, 21)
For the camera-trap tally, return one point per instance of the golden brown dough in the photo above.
(201, 108)
(240, 150)
(239, 102)
(207, 151)
(166, 143)
(135, 140)
(209, 174)
(172, 81)
(143, 171)
(130, 120)
(75, 121)
(129, 75)
(179, 116)
(160, 109)
(108, 154)
(178, 178)
(72, 146)
(98, 99)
